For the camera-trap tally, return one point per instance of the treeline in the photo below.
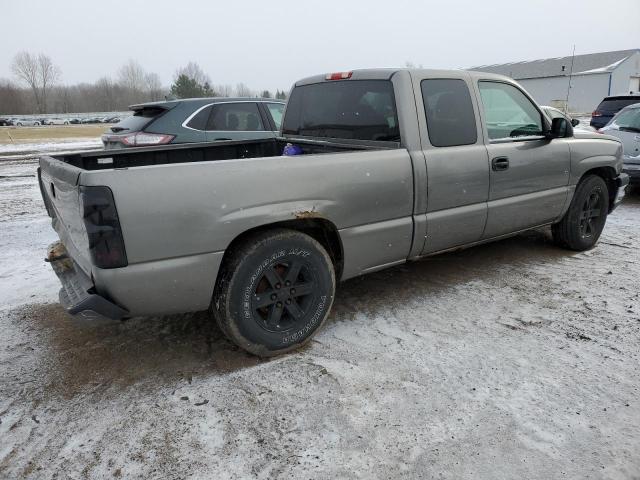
(36, 88)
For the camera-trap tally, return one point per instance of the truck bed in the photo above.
(202, 152)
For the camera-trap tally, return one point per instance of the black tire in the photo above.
(581, 226)
(274, 292)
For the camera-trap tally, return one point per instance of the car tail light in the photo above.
(596, 113)
(338, 76)
(140, 139)
(106, 245)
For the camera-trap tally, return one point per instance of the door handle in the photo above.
(499, 163)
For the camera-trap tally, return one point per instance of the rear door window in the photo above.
(276, 110)
(449, 110)
(235, 117)
(508, 111)
(349, 109)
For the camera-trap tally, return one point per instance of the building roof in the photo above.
(589, 63)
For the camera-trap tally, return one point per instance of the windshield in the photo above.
(350, 109)
(628, 120)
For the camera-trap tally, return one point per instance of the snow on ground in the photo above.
(25, 234)
(511, 360)
(27, 150)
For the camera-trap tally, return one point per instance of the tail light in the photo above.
(139, 139)
(106, 245)
(338, 76)
(596, 113)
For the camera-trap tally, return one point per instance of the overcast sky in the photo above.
(271, 44)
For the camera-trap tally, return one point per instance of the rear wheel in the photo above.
(581, 226)
(274, 292)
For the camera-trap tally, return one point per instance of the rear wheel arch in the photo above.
(320, 229)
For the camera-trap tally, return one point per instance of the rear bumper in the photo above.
(633, 170)
(78, 295)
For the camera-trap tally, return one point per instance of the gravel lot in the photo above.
(511, 360)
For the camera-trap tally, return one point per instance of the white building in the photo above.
(592, 77)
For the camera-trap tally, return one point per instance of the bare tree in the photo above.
(243, 91)
(12, 101)
(222, 90)
(194, 72)
(131, 76)
(39, 73)
(154, 86)
(106, 94)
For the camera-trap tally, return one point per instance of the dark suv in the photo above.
(196, 120)
(609, 107)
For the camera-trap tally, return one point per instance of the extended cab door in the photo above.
(456, 158)
(529, 173)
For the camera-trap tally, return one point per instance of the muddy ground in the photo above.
(510, 360)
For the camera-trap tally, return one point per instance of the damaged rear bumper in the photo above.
(78, 294)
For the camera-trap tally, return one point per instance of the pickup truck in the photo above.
(383, 166)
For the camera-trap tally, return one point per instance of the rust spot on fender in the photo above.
(307, 214)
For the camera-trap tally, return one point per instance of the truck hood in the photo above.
(583, 134)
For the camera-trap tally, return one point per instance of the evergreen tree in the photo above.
(265, 94)
(188, 87)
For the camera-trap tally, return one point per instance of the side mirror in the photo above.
(560, 128)
(575, 122)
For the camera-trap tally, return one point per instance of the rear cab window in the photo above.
(451, 120)
(347, 109)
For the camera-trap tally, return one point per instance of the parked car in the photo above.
(75, 121)
(111, 120)
(5, 122)
(196, 120)
(553, 112)
(382, 166)
(626, 126)
(27, 122)
(91, 120)
(609, 107)
(55, 121)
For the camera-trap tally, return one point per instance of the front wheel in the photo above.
(274, 292)
(581, 226)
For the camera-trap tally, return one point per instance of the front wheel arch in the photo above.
(608, 174)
